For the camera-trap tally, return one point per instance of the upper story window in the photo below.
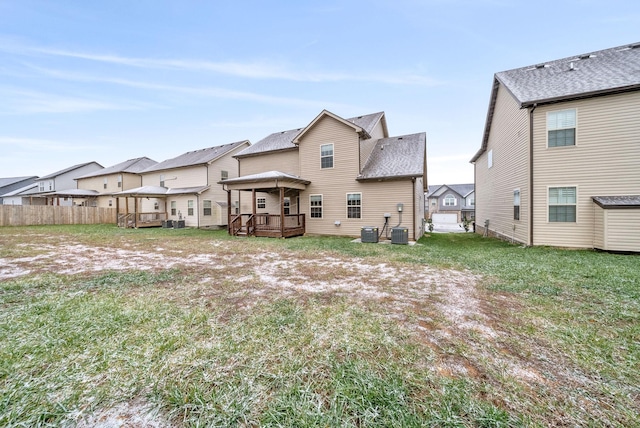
(120, 180)
(561, 128)
(562, 204)
(161, 180)
(224, 175)
(471, 201)
(354, 205)
(326, 156)
(449, 201)
(490, 159)
(104, 183)
(41, 186)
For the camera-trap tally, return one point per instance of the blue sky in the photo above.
(114, 80)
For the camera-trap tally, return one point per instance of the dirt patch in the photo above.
(445, 309)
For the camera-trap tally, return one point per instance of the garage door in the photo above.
(444, 218)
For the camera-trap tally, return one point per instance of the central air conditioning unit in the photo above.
(399, 235)
(369, 234)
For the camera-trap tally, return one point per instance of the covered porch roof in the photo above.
(265, 181)
(160, 192)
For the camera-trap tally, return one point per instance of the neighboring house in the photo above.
(450, 203)
(116, 178)
(559, 163)
(332, 177)
(61, 189)
(11, 184)
(20, 196)
(184, 189)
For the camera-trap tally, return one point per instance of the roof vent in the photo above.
(634, 46)
(399, 138)
(585, 56)
(541, 65)
(572, 66)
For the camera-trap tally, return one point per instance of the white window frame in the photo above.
(354, 206)
(105, 181)
(286, 204)
(224, 175)
(261, 203)
(574, 204)
(320, 206)
(119, 180)
(161, 180)
(174, 208)
(332, 156)
(517, 202)
(207, 205)
(554, 123)
(455, 201)
(190, 207)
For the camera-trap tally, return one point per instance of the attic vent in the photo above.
(585, 56)
(399, 138)
(538, 66)
(359, 117)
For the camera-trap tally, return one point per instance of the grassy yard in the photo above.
(102, 326)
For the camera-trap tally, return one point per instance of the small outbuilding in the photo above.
(617, 223)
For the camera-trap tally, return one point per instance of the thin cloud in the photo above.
(250, 70)
(37, 144)
(207, 92)
(29, 102)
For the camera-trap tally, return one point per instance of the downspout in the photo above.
(198, 209)
(413, 207)
(531, 172)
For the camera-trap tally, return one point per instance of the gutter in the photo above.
(532, 109)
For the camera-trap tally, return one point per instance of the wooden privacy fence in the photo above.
(36, 215)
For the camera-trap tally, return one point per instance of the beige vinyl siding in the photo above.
(216, 192)
(509, 142)
(621, 230)
(599, 227)
(418, 222)
(178, 177)
(333, 183)
(366, 146)
(604, 162)
(283, 161)
(378, 198)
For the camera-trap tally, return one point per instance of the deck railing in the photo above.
(269, 225)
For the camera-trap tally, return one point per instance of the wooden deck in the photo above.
(133, 220)
(267, 225)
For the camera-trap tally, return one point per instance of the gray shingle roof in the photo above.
(196, 157)
(63, 171)
(284, 140)
(608, 70)
(602, 72)
(461, 189)
(367, 122)
(133, 166)
(7, 181)
(617, 201)
(276, 141)
(266, 176)
(396, 157)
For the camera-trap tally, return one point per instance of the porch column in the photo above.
(253, 196)
(282, 212)
(229, 211)
(117, 210)
(135, 215)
